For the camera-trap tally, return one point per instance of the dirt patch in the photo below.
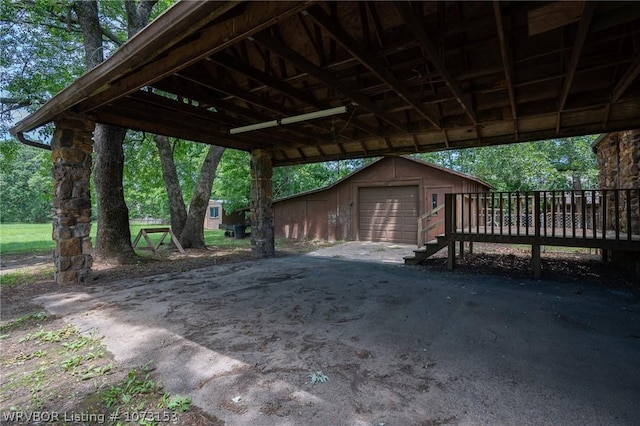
(51, 367)
(398, 345)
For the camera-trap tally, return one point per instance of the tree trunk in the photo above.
(170, 176)
(113, 239)
(192, 235)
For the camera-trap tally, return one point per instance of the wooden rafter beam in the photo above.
(576, 52)
(416, 27)
(203, 95)
(507, 62)
(257, 17)
(261, 102)
(368, 60)
(256, 100)
(626, 80)
(304, 64)
(279, 85)
(187, 110)
(208, 97)
(129, 119)
(266, 79)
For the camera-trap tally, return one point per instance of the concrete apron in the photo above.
(400, 345)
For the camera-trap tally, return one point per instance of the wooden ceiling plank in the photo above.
(256, 17)
(304, 64)
(625, 81)
(505, 51)
(416, 27)
(554, 15)
(368, 60)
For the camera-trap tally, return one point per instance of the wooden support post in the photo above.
(535, 247)
(535, 259)
(461, 250)
(451, 255)
(262, 236)
(471, 246)
(449, 229)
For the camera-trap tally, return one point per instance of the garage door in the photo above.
(388, 214)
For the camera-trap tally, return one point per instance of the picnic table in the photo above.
(144, 232)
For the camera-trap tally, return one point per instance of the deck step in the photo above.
(430, 248)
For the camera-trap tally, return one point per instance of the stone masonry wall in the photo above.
(262, 235)
(71, 156)
(619, 165)
(618, 157)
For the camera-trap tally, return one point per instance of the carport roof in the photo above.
(414, 76)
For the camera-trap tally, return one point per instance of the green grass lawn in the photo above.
(36, 238)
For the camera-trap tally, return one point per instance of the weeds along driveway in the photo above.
(399, 345)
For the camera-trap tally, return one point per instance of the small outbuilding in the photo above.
(216, 216)
(380, 202)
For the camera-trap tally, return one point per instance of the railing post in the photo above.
(604, 219)
(616, 203)
(449, 222)
(535, 247)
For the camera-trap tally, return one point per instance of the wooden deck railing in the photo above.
(424, 225)
(586, 218)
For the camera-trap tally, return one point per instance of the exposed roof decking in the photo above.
(415, 76)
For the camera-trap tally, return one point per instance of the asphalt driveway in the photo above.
(399, 345)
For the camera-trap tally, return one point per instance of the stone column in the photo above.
(71, 156)
(629, 171)
(262, 241)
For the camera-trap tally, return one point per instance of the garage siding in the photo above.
(388, 214)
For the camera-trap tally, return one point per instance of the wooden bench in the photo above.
(144, 232)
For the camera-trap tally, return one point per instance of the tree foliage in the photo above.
(25, 183)
(552, 164)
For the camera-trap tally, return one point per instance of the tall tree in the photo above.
(113, 237)
(192, 234)
(177, 207)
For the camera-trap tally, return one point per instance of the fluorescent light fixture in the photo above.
(251, 127)
(290, 120)
(314, 115)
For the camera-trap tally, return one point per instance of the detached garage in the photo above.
(379, 202)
